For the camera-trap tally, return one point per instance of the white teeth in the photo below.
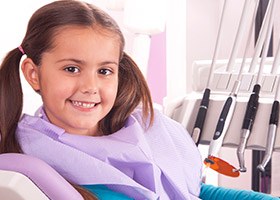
(83, 104)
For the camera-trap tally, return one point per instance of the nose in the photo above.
(89, 84)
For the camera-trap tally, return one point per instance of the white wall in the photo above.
(192, 29)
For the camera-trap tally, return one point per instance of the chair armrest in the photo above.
(52, 184)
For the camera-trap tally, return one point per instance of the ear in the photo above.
(31, 73)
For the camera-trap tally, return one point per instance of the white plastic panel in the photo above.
(186, 112)
(223, 81)
(15, 186)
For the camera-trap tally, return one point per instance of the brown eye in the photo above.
(72, 69)
(105, 72)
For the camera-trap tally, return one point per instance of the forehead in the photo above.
(66, 34)
(77, 39)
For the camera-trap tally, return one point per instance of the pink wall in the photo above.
(157, 68)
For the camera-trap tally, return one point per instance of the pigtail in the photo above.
(11, 101)
(139, 91)
(132, 91)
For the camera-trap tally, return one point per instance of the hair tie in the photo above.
(21, 50)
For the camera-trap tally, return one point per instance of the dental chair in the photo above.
(24, 177)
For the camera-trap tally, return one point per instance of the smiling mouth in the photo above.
(83, 104)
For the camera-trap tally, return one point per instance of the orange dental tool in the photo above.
(221, 166)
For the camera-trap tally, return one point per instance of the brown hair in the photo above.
(40, 34)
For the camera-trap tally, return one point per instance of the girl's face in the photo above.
(78, 79)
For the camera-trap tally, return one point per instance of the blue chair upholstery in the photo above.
(210, 192)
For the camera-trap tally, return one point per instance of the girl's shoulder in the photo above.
(158, 113)
(160, 120)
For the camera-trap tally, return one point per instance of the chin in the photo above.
(81, 129)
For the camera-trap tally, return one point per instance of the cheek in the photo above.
(111, 92)
(56, 89)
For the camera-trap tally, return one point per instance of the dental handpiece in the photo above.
(222, 126)
(250, 114)
(200, 119)
(273, 123)
(224, 121)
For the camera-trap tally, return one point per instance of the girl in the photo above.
(97, 125)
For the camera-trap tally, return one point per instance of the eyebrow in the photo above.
(83, 62)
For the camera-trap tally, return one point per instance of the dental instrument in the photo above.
(273, 123)
(260, 40)
(274, 117)
(201, 115)
(252, 105)
(212, 161)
